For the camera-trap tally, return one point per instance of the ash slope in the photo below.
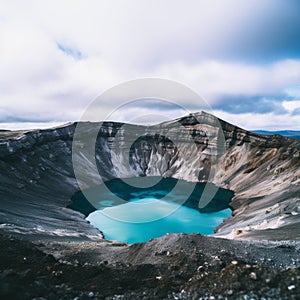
(37, 176)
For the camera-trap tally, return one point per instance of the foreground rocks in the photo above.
(171, 267)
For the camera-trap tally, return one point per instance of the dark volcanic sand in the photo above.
(171, 267)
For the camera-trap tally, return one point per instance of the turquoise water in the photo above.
(140, 208)
(140, 220)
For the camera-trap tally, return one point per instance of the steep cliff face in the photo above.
(265, 174)
(38, 180)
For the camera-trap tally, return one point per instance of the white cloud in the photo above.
(28, 125)
(213, 78)
(254, 121)
(124, 40)
(291, 106)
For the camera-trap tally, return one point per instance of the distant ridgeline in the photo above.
(294, 134)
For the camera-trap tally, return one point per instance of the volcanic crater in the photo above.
(40, 220)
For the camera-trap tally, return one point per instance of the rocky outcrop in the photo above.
(38, 180)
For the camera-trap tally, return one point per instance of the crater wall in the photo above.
(38, 180)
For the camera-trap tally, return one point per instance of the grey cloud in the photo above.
(296, 112)
(250, 104)
(267, 34)
(29, 118)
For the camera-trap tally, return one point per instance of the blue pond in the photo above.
(125, 212)
(168, 217)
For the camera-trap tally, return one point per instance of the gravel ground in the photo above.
(175, 266)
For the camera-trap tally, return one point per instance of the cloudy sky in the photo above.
(242, 57)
